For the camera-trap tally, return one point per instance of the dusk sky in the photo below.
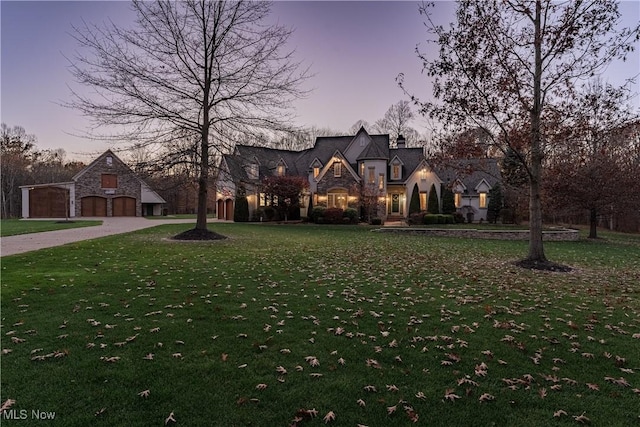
(355, 50)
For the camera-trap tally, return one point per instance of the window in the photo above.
(252, 171)
(381, 182)
(423, 201)
(423, 174)
(109, 161)
(316, 171)
(457, 199)
(483, 201)
(395, 171)
(337, 169)
(265, 199)
(362, 169)
(109, 180)
(372, 176)
(280, 170)
(337, 200)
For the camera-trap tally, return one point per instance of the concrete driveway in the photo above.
(11, 245)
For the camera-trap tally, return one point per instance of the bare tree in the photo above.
(17, 150)
(513, 64)
(193, 70)
(590, 170)
(396, 122)
(360, 123)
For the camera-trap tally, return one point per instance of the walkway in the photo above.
(11, 245)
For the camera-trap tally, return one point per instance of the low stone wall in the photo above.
(547, 235)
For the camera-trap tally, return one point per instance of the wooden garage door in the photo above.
(124, 206)
(220, 209)
(48, 202)
(93, 206)
(229, 213)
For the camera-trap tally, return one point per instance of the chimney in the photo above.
(400, 143)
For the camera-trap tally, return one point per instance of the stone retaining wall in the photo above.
(548, 235)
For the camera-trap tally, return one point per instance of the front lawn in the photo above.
(280, 323)
(12, 227)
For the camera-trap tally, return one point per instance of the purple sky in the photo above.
(355, 49)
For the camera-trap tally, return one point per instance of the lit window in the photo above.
(280, 170)
(396, 171)
(423, 201)
(362, 169)
(337, 169)
(337, 200)
(109, 180)
(423, 174)
(372, 176)
(316, 171)
(457, 199)
(483, 200)
(381, 181)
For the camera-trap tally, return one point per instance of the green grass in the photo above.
(427, 310)
(180, 216)
(13, 227)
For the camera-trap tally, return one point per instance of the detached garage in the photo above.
(49, 201)
(107, 187)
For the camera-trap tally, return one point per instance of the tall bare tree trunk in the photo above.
(593, 223)
(536, 249)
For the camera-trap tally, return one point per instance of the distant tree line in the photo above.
(22, 163)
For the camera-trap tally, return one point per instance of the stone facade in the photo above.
(89, 183)
(346, 181)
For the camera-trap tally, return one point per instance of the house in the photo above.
(345, 171)
(106, 187)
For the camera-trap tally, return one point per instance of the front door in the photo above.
(397, 204)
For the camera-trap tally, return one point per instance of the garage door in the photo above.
(124, 206)
(93, 206)
(48, 202)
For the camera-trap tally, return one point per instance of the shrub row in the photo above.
(323, 215)
(420, 218)
(438, 219)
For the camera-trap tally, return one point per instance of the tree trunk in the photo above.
(536, 249)
(203, 179)
(593, 223)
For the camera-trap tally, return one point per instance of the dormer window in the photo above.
(280, 170)
(316, 171)
(395, 171)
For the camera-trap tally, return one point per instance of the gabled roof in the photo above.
(470, 172)
(337, 155)
(269, 158)
(410, 158)
(97, 160)
(148, 195)
(377, 149)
